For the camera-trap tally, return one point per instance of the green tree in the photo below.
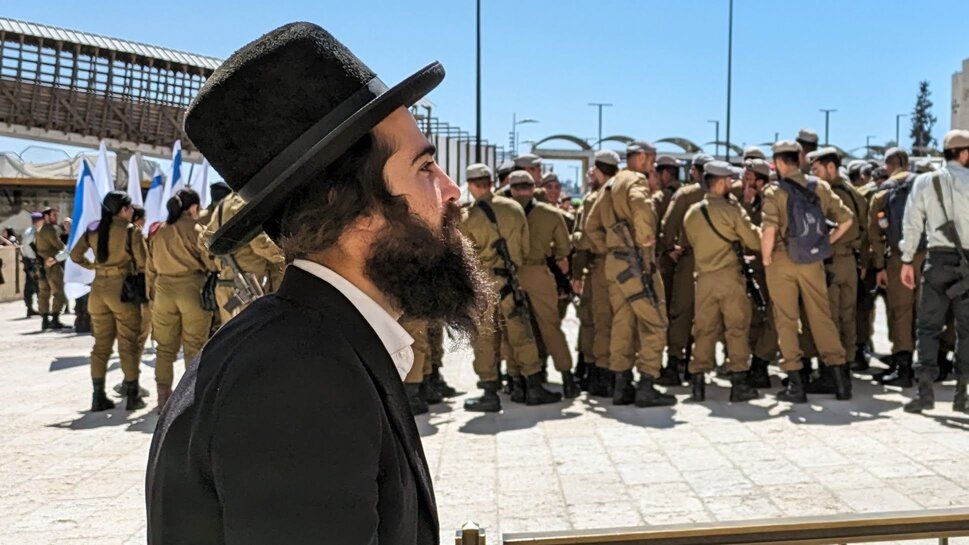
(922, 119)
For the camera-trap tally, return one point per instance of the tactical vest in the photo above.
(895, 212)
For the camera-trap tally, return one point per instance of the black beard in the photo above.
(428, 275)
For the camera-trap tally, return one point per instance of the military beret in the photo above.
(785, 146)
(478, 170)
(880, 173)
(528, 160)
(550, 177)
(34, 216)
(701, 159)
(955, 139)
(807, 135)
(811, 156)
(640, 146)
(520, 177)
(901, 154)
(760, 166)
(608, 157)
(667, 161)
(718, 168)
(856, 166)
(753, 152)
(505, 167)
(822, 152)
(924, 165)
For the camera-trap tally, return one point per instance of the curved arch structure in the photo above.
(583, 145)
(686, 145)
(615, 138)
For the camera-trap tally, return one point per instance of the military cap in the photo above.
(753, 152)
(880, 173)
(505, 167)
(822, 152)
(701, 159)
(718, 168)
(856, 166)
(807, 135)
(528, 160)
(897, 152)
(478, 170)
(549, 177)
(760, 166)
(608, 157)
(35, 216)
(785, 146)
(520, 177)
(640, 146)
(666, 161)
(955, 139)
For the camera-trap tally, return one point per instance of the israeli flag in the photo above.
(87, 209)
(134, 180)
(174, 181)
(102, 173)
(155, 209)
(200, 183)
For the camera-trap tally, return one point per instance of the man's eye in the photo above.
(426, 167)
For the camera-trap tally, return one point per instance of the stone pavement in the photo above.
(73, 477)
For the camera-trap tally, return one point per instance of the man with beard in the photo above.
(808, 139)
(493, 220)
(293, 426)
(763, 335)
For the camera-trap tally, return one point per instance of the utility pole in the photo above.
(600, 105)
(477, 143)
(729, 73)
(898, 119)
(868, 146)
(717, 139)
(827, 115)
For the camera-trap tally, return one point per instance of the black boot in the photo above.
(518, 388)
(924, 400)
(624, 393)
(860, 363)
(698, 382)
(648, 396)
(794, 393)
(570, 386)
(740, 388)
(600, 382)
(581, 370)
(824, 384)
(807, 367)
(536, 394)
(439, 384)
(945, 365)
(758, 377)
(55, 321)
(99, 400)
(892, 364)
(903, 372)
(45, 322)
(670, 375)
(414, 399)
(507, 384)
(489, 402)
(31, 312)
(429, 393)
(960, 401)
(132, 394)
(842, 381)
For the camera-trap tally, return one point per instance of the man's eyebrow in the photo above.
(429, 149)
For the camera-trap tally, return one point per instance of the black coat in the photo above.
(292, 427)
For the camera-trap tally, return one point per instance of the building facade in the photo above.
(960, 97)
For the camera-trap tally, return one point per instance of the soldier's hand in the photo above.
(767, 259)
(862, 272)
(577, 287)
(564, 265)
(908, 276)
(881, 279)
(675, 253)
(49, 262)
(649, 242)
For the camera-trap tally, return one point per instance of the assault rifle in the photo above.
(754, 292)
(562, 283)
(247, 286)
(636, 265)
(509, 272)
(949, 231)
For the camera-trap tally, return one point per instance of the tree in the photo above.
(922, 119)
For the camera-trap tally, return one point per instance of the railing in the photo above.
(938, 524)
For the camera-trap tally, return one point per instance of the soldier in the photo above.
(624, 221)
(753, 152)
(680, 259)
(416, 384)
(32, 265)
(932, 213)
(491, 221)
(563, 277)
(713, 227)
(808, 139)
(51, 254)
(504, 169)
(119, 250)
(763, 334)
(790, 281)
(668, 174)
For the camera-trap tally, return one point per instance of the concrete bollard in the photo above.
(469, 534)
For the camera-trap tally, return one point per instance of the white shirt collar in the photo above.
(394, 337)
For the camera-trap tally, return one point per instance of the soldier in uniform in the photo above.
(50, 253)
(548, 241)
(763, 334)
(791, 282)
(32, 265)
(668, 173)
(504, 169)
(594, 312)
(753, 152)
(177, 266)
(511, 226)
(416, 384)
(712, 227)
(563, 277)
(680, 259)
(624, 221)
(808, 139)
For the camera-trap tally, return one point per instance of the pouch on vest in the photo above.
(807, 228)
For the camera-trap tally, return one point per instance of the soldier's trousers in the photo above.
(901, 303)
(435, 340)
(635, 319)
(601, 311)
(587, 330)
(145, 325)
(842, 276)
(934, 306)
(111, 319)
(539, 284)
(422, 350)
(763, 334)
(788, 283)
(52, 299)
(722, 308)
(681, 306)
(517, 334)
(31, 289)
(178, 320)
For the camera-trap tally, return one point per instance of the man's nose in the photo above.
(449, 190)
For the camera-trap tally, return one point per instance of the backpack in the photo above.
(895, 210)
(807, 228)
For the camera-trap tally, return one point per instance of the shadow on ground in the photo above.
(142, 422)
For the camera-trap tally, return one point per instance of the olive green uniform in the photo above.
(580, 271)
(626, 198)
(418, 330)
(49, 245)
(682, 290)
(176, 272)
(722, 306)
(513, 227)
(110, 317)
(763, 334)
(791, 282)
(865, 313)
(590, 252)
(667, 267)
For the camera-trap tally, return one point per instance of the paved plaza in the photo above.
(72, 477)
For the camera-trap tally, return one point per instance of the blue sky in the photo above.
(662, 63)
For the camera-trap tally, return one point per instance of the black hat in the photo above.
(280, 110)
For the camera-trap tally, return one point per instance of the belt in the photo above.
(181, 275)
(107, 273)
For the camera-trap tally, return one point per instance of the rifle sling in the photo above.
(706, 216)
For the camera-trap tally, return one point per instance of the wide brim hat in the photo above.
(280, 110)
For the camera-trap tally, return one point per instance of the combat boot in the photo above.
(600, 382)
(624, 393)
(960, 401)
(842, 381)
(587, 381)
(99, 400)
(536, 394)
(945, 365)
(132, 394)
(698, 383)
(648, 396)
(439, 384)
(518, 388)
(55, 321)
(119, 390)
(924, 399)
(740, 388)
(31, 312)
(414, 399)
(164, 393)
(581, 371)
(824, 384)
(44, 322)
(903, 371)
(758, 377)
(892, 363)
(570, 386)
(860, 363)
(489, 402)
(430, 394)
(670, 375)
(794, 393)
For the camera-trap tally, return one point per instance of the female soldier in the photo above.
(138, 218)
(176, 273)
(119, 250)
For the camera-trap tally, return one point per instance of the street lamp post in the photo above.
(868, 146)
(513, 135)
(600, 105)
(898, 119)
(477, 144)
(729, 73)
(716, 140)
(827, 115)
